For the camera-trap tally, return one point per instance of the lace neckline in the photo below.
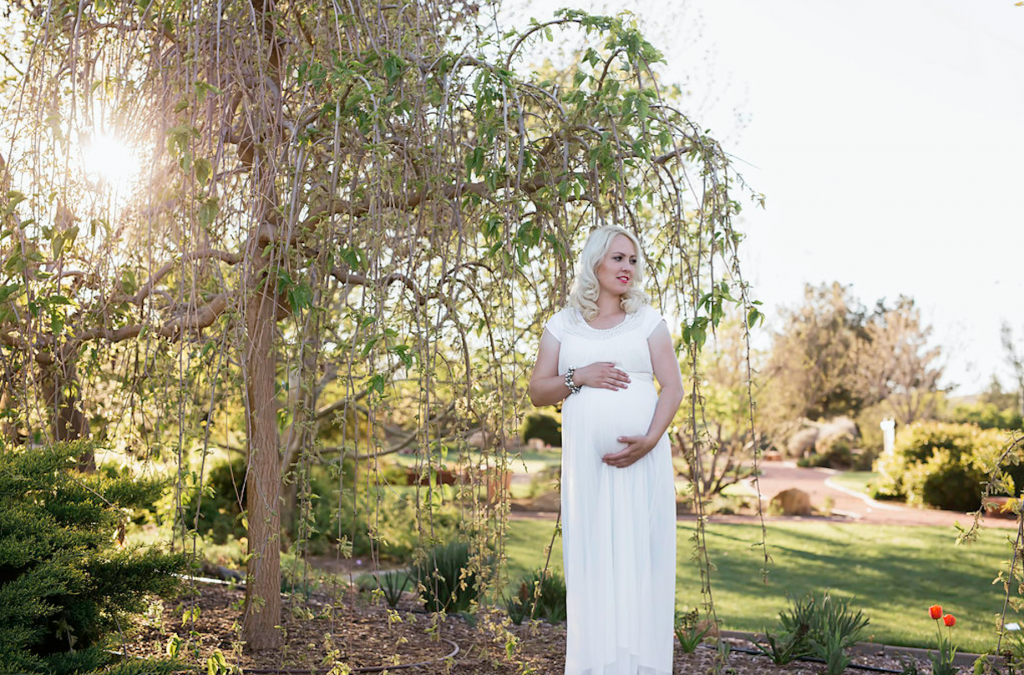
(580, 317)
(577, 325)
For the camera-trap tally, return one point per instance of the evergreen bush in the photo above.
(67, 581)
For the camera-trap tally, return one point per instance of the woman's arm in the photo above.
(547, 385)
(666, 369)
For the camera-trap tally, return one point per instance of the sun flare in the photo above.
(110, 161)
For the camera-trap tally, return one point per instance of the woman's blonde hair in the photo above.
(585, 288)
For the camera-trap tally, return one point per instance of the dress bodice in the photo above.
(625, 344)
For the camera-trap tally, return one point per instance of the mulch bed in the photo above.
(348, 628)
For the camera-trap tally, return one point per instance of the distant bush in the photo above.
(986, 415)
(544, 427)
(943, 465)
(66, 583)
(835, 454)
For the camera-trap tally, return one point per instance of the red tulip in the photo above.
(935, 611)
(949, 620)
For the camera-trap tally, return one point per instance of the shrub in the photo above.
(823, 621)
(836, 452)
(549, 606)
(544, 427)
(65, 582)
(944, 465)
(391, 511)
(544, 481)
(727, 505)
(690, 631)
(446, 579)
(220, 516)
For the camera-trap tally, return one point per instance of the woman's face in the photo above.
(615, 273)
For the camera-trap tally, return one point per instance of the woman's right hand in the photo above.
(601, 375)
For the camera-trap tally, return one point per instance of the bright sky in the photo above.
(888, 138)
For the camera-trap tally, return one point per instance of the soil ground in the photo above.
(346, 629)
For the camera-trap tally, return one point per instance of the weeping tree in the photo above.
(328, 211)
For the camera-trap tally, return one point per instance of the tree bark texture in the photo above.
(263, 480)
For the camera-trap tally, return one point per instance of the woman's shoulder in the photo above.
(563, 315)
(649, 312)
(559, 321)
(650, 318)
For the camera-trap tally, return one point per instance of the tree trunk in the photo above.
(68, 423)
(263, 482)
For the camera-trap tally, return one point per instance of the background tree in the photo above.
(898, 364)
(834, 357)
(1016, 360)
(816, 356)
(732, 436)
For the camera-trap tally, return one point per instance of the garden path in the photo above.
(852, 506)
(848, 506)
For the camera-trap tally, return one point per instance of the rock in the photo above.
(792, 502)
(536, 444)
(802, 442)
(220, 572)
(837, 427)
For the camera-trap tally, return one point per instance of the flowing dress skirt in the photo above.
(618, 536)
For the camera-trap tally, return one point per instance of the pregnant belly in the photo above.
(593, 420)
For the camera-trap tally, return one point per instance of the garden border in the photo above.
(878, 649)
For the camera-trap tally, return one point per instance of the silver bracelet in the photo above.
(573, 388)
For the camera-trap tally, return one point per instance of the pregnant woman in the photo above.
(601, 355)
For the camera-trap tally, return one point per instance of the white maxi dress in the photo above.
(618, 525)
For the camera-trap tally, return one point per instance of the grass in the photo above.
(893, 573)
(855, 480)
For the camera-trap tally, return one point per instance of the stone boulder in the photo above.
(536, 444)
(802, 442)
(791, 502)
(835, 428)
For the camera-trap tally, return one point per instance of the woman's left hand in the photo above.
(636, 447)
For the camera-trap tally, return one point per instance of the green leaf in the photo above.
(203, 170)
(9, 290)
(13, 199)
(208, 211)
(394, 66)
(58, 245)
(300, 296)
(128, 283)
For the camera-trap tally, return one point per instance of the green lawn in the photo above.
(893, 573)
(855, 480)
